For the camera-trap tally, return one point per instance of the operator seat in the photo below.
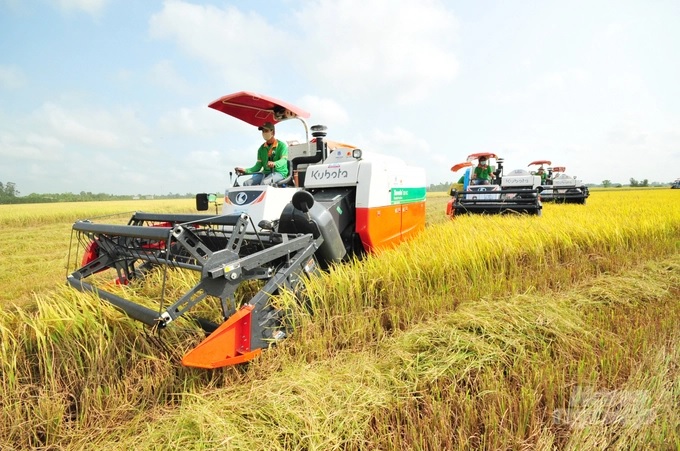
(289, 179)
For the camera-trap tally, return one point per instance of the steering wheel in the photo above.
(238, 174)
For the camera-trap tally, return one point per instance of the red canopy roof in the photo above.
(256, 109)
(476, 156)
(472, 157)
(548, 162)
(459, 166)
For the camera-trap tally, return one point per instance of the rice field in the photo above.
(485, 332)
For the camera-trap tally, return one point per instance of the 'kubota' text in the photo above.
(326, 174)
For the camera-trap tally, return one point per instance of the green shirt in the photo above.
(483, 173)
(277, 152)
(544, 176)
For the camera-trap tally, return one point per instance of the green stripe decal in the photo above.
(406, 195)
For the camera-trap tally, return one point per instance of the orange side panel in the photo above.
(412, 219)
(383, 227)
(229, 344)
(379, 227)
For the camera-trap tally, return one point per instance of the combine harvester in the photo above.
(516, 192)
(560, 187)
(339, 202)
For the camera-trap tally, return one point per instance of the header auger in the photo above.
(342, 202)
(222, 252)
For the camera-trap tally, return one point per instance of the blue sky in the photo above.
(111, 96)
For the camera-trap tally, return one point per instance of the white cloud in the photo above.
(615, 30)
(379, 48)
(398, 138)
(199, 121)
(83, 128)
(243, 47)
(651, 150)
(181, 120)
(11, 77)
(14, 147)
(325, 111)
(393, 51)
(628, 135)
(190, 121)
(401, 143)
(543, 85)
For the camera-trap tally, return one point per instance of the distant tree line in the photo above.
(440, 187)
(634, 182)
(9, 194)
(8, 191)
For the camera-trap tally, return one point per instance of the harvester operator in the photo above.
(543, 175)
(482, 174)
(272, 160)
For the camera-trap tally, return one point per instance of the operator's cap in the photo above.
(267, 126)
